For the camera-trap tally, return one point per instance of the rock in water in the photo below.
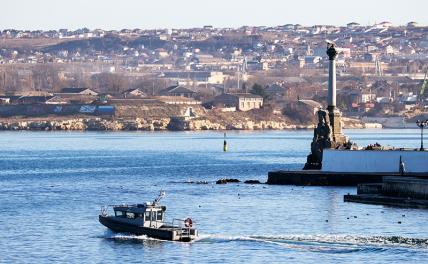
(252, 182)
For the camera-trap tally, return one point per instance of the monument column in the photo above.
(333, 112)
(331, 100)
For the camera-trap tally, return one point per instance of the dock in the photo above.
(393, 191)
(325, 178)
(322, 178)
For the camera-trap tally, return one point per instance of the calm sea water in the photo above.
(53, 184)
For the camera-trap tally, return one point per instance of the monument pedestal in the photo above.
(337, 137)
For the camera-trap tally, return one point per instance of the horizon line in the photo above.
(214, 27)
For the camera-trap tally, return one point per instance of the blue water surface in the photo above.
(53, 184)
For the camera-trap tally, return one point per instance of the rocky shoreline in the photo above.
(139, 124)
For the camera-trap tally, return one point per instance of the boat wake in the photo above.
(326, 243)
(313, 243)
(126, 237)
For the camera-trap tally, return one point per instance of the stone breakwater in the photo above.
(173, 124)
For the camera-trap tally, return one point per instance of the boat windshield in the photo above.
(153, 216)
(119, 213)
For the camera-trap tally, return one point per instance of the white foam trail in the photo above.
(123, 236)
(320, 241)
(142, 238)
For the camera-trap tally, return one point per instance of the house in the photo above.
(368, 97)
(412, 24)
(4, 100)
(73, 91)
(312, 61)
(57, 100)
(33, 99)
(257, 66)
(177, 100)
(178, 90)
(133, 93)
(242, 101)
(195, 77)
(161, 53)
(353, 25)
(71, 99)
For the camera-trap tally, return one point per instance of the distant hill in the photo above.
(109, 43)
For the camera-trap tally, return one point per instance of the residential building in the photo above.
(74, 91)
(133, 93)
(242, 101)
(178, 90)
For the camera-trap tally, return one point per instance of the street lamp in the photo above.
(422, 124)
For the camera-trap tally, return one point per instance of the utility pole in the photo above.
(422, 125)
(239, 87)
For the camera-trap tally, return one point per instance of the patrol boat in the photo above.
(148, 219)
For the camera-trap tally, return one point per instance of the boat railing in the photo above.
(104, 210)
(183, 229)
(178, 223)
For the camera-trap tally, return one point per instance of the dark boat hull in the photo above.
(159, 233)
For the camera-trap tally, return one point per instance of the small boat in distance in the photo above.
(148, 219)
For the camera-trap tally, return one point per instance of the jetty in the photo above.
(393, 191)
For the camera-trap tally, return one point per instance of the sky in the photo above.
(119, 14)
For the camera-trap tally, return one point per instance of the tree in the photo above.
(113, 83)
(257, 89)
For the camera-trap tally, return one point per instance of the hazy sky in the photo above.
(118, 14)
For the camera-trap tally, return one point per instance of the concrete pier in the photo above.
(393, 191)
(322, 178)
(328, 178)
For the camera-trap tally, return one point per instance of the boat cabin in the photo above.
(147, 215)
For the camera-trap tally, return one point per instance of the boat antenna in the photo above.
(160, 196)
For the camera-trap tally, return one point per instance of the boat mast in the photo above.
(160, 196)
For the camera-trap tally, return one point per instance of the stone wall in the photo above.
(374, 161)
